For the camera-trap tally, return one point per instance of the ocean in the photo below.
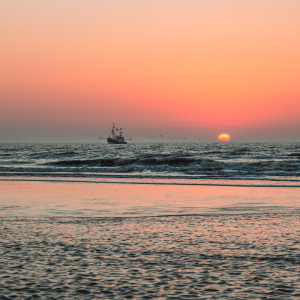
(150, 221)
(184, 163)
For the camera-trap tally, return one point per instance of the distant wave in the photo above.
(183, 162)
(294, 154)
(112, 162)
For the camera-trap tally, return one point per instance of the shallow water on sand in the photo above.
(48, 199)
(243, 256)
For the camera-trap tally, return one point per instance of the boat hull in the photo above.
(112, 141)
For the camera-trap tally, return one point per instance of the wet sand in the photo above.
(52, 198)
(252, 256)
(239, 244)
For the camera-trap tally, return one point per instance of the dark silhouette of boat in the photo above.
(114, 138)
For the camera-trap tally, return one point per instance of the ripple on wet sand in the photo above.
(180, 257)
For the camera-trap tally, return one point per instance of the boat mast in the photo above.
(113, 130)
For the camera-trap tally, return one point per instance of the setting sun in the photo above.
(224, 137)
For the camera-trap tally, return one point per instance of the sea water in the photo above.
(185, 162)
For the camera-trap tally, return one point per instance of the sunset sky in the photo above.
(196, 68)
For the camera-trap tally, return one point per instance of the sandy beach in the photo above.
(114, 241)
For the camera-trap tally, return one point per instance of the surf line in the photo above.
(150, 183)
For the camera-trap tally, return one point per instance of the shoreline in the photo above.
(163, 181)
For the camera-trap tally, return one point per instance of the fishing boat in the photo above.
(115, 138)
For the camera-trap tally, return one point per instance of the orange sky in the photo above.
(71, 68)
